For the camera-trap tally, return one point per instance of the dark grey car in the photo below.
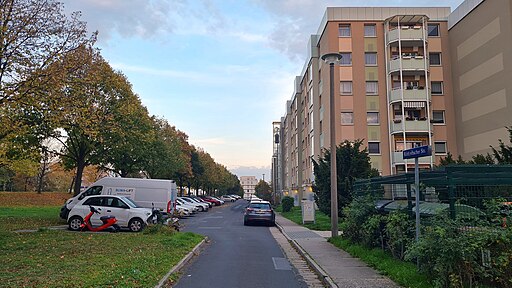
(259, 212)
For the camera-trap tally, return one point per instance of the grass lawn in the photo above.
(48, 258)
(403, 273)
(323, 222)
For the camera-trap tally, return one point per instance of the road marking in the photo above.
(281, 263)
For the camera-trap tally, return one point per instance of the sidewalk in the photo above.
(337, 266)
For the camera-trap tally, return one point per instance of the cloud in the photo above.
(296, 20)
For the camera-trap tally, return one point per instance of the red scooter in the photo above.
(109, 222)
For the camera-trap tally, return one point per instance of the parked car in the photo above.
(211, 200)
(201, 206)
(182, 211)
(227, 198)
(192, 208)
(147, 193)
(128, 214)
(218, 199)
(202, 201)
(259, 211)
(235, 196)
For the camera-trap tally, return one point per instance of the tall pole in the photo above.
(334, 182)
(263, 177)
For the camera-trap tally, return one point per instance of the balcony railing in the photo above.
(410, 125)
(398, 157)
(414, 94)
(408, 63)
(406, 33)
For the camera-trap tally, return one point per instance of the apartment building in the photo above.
(391, 90)
(248, 184)
(480, 35)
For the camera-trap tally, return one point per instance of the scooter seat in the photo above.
(105, 218)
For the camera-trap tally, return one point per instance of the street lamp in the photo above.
(331, 58)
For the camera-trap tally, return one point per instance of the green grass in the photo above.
(48, 258)
(403, 273)
(16, 218)
(323, 222)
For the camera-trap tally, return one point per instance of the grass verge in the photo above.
(323, 222)
(62, 258)
(403, 273)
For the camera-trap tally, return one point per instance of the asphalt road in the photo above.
(237, 255)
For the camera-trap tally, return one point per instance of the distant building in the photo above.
(248, 184)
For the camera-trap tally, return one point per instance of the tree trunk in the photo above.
(78, 178)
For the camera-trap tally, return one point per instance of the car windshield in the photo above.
(262, 206)
(130, 202)
(187, 200)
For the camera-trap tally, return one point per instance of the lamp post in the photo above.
(331, 59)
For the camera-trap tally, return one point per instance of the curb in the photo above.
(182, 262)
(326, 279)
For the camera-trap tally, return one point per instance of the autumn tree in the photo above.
(34, 34)
(263, 190)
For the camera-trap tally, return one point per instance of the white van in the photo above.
(145, 192)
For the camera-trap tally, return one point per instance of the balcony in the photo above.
(410, 126)
(416, 63)
(406, 33)
(398, 157)
(415, 94)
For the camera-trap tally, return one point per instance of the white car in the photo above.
(183, 203)
(203, 207)
(127, 213)
(183, 211)
(227, 198)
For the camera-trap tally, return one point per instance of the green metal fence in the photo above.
(462, 191)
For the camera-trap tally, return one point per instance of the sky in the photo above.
(219, 70)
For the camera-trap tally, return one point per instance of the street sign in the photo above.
(417, 152)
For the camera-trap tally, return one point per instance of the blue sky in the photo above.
(221, 71)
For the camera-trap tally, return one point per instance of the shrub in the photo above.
(400, 232)
(355, 215)
(287, 203)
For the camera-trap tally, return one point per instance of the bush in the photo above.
(457, 255)
(287, 203)
(356, 214)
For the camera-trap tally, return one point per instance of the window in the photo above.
(346, 87)
(440, 147)
(436, 88)
(369, 30)
(438, 117)
(433, 30)
(435, 58)
(346, 58)
(372, 117)
(95, 201)
(370, 58)
(373, 147)
(347, 118)
(372, 87)
(95, 190)
(344, 30)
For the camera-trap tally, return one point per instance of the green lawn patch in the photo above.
(403, 273)
(50, 258)
(323, 222)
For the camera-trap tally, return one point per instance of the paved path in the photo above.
(341, 269)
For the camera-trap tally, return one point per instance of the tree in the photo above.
(352, 162)
(33, 35)
(503, 155)
(263, 190)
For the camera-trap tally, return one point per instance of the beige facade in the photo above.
(480, 40)
(248, 184)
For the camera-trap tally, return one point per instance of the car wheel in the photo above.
(75, 223)
(201, 209)
(136, 225)
(246, 223)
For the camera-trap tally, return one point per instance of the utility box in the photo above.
(308, 211)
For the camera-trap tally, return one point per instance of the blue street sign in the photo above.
(417, 152)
